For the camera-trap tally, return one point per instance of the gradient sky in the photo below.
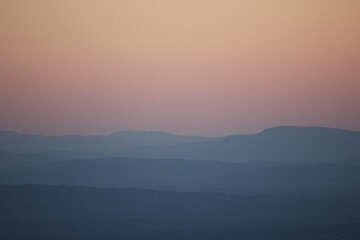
(184, 66)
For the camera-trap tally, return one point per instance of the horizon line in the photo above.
(172, 133)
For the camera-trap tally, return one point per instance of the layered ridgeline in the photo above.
(194, 175)
(284, 182)
(16, 142)
(63, 212)
(20, 150)
(271, 146)
(274, 145)
(281, 160)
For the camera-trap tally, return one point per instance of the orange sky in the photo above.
(211, 67)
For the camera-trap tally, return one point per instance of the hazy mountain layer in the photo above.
(15, 142)
(167, 174)
(274, 145)
(14, 159)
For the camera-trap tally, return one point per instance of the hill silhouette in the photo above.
(190, 175)
(59, 212)
(274, 145)
(15, 142)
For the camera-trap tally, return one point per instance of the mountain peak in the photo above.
(302, 129)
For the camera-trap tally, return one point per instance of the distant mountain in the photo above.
(61, 212)
(15, 142)
(274, 145)
(193, 175)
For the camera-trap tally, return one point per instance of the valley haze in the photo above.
(283, 181)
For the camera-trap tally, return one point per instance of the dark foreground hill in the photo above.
(274, 145)
(60, 212)
(194, 175)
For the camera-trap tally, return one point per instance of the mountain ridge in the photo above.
(16, 142)
(278, 144)
(173, 174)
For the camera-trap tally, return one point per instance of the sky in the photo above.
(208, 67)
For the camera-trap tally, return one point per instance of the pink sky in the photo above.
(188, 67)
